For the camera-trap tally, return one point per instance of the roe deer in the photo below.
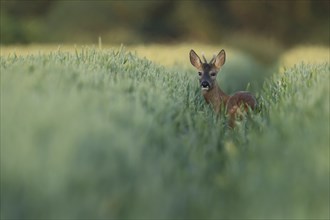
(211, 91)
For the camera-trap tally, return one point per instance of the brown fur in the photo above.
(214, 95)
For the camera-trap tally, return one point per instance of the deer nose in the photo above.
(205, 84)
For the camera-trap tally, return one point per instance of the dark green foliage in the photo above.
(104, 134)
(288, 22)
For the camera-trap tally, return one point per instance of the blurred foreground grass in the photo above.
(105, 134)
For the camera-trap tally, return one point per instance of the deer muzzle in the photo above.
(205, 85)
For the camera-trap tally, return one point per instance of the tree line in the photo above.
(289, 22)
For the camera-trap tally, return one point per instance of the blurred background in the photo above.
(105, 134)
(285, 23)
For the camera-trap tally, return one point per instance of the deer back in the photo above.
(242, 98)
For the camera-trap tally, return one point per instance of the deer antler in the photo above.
(213, 59)
(203, 55)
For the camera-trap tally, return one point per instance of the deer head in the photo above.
(207, 71)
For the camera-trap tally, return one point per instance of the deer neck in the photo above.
(216, 97)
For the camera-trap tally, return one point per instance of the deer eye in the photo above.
(212, 74)
(199, 73)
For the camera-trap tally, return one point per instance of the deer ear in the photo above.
(195, 60)
(220, 59)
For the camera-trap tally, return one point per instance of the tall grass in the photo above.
(105, 134)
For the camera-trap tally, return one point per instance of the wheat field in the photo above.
(123, 133)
